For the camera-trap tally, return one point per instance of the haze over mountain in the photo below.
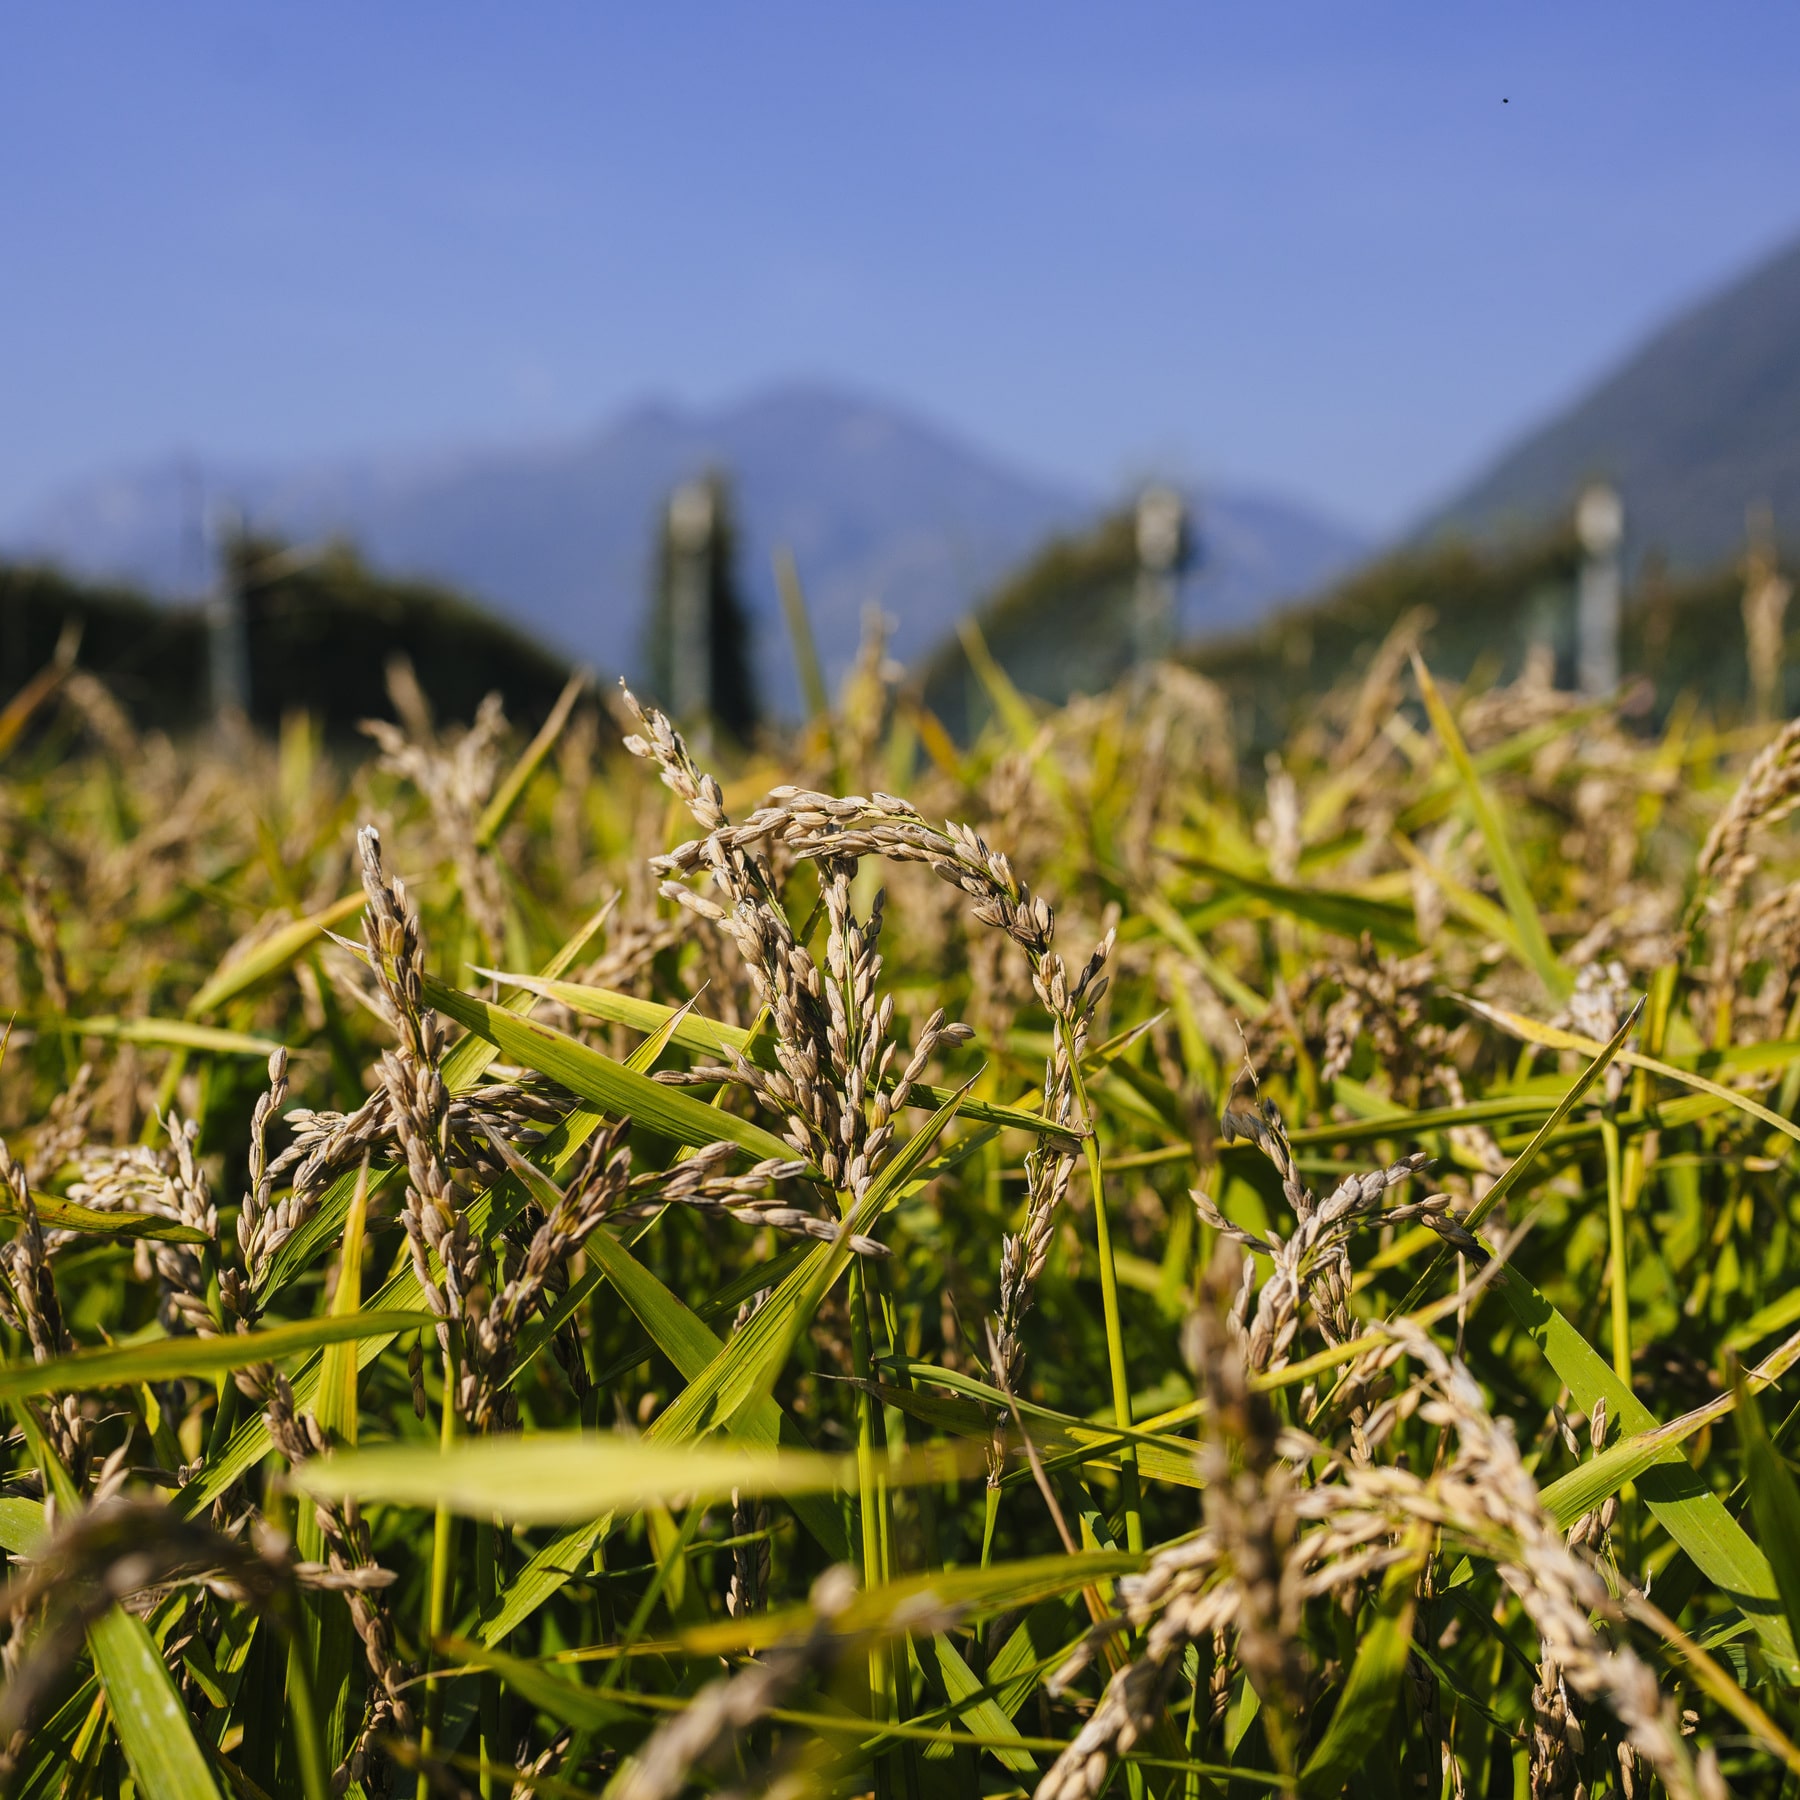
(876, 504)
(1695, 426)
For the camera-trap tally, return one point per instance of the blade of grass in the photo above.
(270, 956)
(800, 635)
(332, 1633)
(1774, 1499)
(1010, 706)
(147, 1712)
(685, 1339)
(746, 1370)
(1183, 936)
(1346, 915)
(711, 1037)
(167, 1359)
(970, 1700)
(336, 1408)
(978, 1594)
(1618, 1268)
(170, 1034)
(21, 1525)
(1514, 889)
(1373, 1688)
(617, 1090)
(507, 796)
(1553, 1037)
(65, 1215)
(1583, 1489)
(1603, 1054)
(557, 1476)
(1678, 1498)
(23, 707)
(1473, 909)
(1715, 1680)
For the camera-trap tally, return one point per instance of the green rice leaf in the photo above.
(1012, 707)
(800, 637)
(1514, 890)
(559, 1696)
(970, 1702)
(1774, 1499)
(1474, 909)
(561, 1476)
(21, 1525)
(694, 1031)
(1678, 1498)
(1553, 1037)
(1765, 1322)
(270, 956)
(336, 1408)
(691, 1345)
(549, 1569)
(558, 1476)
(171, 1034)
(325, 1227)
(507, 796)
(165, 1359)
(693, 1348)
(147, 1712)
(65, 1215)
(747, 1367)
(1516, 1169)
(1343, 914)
(979, 1592)
(618, 1091)
(1360, 1721)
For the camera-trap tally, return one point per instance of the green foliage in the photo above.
(703, 1393)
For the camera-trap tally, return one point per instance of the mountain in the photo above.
(875, 503)
(1695, 426)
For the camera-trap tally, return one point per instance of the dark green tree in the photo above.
(697, 634)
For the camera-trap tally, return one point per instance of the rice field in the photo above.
(609, 1265)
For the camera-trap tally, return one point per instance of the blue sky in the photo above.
(1342, 250)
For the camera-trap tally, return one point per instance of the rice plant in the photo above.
(1050, 1267)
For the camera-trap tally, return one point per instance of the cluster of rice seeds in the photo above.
(1342, 1536)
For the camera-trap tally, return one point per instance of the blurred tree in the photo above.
(697, 635)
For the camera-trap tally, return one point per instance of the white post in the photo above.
(1161, 535)
(1600, 524)
(1766, 595)
(691, 526)
(227, 636)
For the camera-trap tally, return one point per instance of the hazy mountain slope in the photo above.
(1700, 422)
(876, 504)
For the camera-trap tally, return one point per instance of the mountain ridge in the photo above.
(1697, 422)
(876, 502)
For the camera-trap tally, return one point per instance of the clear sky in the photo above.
(1341, 249)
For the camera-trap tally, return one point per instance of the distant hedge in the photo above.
(1487, 607)
(1059, 626)
(320, 632)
